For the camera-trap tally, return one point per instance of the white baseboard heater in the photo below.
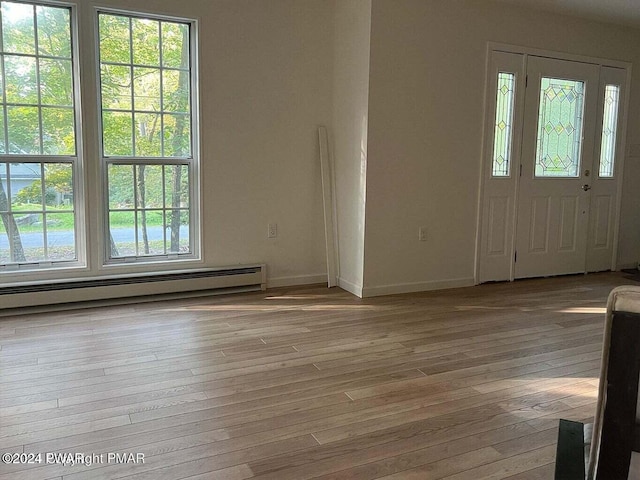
(246, 278)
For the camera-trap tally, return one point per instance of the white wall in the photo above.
(350, 119)
(266, 77)
(266, 82)
(425, 130)
(400, 84)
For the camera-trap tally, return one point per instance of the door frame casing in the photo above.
(487, 149)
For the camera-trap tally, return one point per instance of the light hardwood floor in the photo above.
(307, 383)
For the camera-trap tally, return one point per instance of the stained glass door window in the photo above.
(503, 129)
(609, 130)
(560, 118)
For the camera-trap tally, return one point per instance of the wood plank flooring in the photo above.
(306, 383)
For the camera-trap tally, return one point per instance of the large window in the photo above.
(147, 140)
(38, 149)
(147, 133)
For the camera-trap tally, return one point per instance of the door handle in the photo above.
(586, 187)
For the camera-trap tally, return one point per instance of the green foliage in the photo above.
(145, 90)
(33, 194)
(58, 180)
(114, 39)
(59, 177)
(148, 82)
(50, 98)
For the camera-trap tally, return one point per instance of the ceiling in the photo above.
(624, 12)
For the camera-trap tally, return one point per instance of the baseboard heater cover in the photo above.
(131, 285)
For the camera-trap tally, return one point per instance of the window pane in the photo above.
(17, 28)
(26, 187)
(149, 181)
(503, 130)
(146, 41)
(144, 194)
(175, 91)
(177, 135)
(560, 114)
(148, 129)
(175, 45)
(150, 232)
(61, 238)
(5, 255)
(4, 192)
(115, 43)
(32, 236)
(146, 88)
(56, 86)
(117, 133)
(184, 245)
(609, 130)
(3, 145)
(178, 231)
(58, 181)
(54, 31)
(123, 234)
(176, 189)
(24, 134)
(116, 87)
(58, 134)
(121, 187)
(11, 249)
(21, 85)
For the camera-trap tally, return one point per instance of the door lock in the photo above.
(586, 187)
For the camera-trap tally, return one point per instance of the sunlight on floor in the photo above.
(297, 297)
(590, 310)
(262, 308)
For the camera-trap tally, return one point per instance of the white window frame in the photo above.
(77, 161)
(193, 162)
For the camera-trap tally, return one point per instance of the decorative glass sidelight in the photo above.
(609, 130)
(503, 128)
(560, 119)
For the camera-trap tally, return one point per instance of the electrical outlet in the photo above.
(422, 234)
(272, 230)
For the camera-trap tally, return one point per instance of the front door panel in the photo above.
(557, 151)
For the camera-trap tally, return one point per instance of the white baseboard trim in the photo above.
(350, 287)
(417, 287)
(296, 280)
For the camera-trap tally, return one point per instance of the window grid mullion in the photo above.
(161, 62)
(135, 208)
(122, 110)
(164, 206)
(10, 231)
(9, 203)
(34, 55)
(37, 159)
(44, 213)
(38, 83)
(147, 161)
(4, 89)
(141, 65)
(17, 104)
(133, 104)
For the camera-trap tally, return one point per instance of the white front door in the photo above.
(557, 167)
(553, 167)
